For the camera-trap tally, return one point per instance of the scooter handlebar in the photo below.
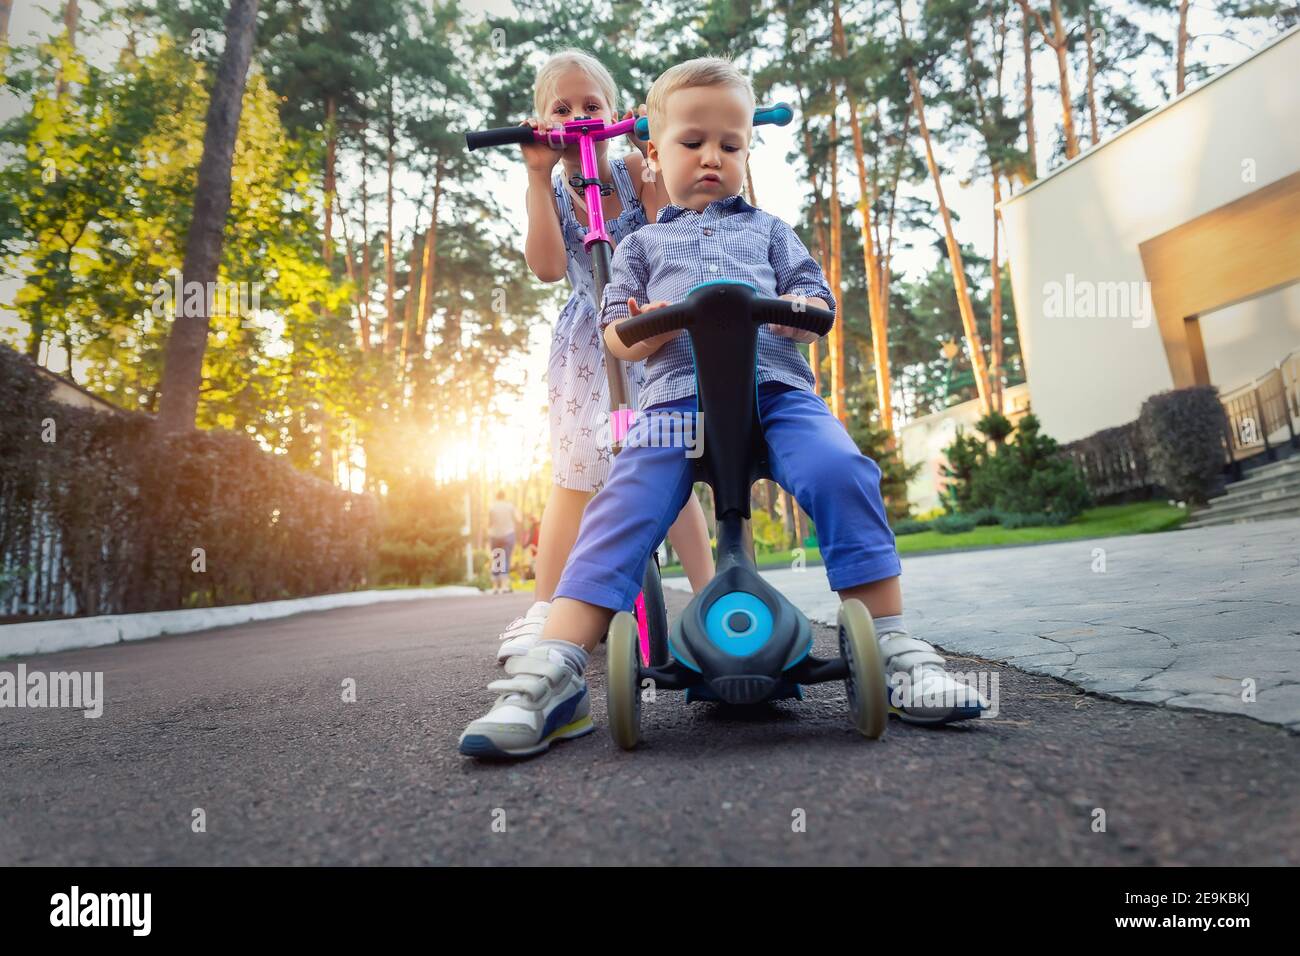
(702, 299)
(501, 136)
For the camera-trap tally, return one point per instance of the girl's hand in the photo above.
(539, 157)
(642, 145)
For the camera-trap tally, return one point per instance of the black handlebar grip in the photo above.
(503, 136)
(785, 312)
(670, 318)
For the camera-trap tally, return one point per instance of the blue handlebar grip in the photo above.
(778, 115)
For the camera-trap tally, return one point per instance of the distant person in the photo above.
(502, 519)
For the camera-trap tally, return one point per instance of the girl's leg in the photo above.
(690, 539)
(560, 522)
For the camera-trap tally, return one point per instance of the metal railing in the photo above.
(1255, 412)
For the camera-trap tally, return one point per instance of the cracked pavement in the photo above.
(1204, 619)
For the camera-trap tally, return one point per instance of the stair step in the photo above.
(1286, 508)
(1221, 507)
(1267, 489)
(1277, 469)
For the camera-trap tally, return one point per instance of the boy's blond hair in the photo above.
(703, 71)
(560, 63)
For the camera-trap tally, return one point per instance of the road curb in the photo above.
(47, 637)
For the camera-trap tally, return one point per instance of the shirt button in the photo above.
(713, 268)
(708, 232)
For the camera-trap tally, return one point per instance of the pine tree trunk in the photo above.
(1031, 138)
(366, 324)
(1093, 129)
(183, 363)
(1057, 40)
(1063, 70)
(954, 253)
(331, 143)
(819, 228)
(390, 265)
(871, 259)
(995, 319)
(430, 263)
(1181, 75)
(71, 15)
(352, 277)
(836, 339)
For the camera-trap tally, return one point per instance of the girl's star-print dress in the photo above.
(577, 388)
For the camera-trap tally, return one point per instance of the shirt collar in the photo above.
(723, 207)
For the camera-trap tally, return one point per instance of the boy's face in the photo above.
(701, 151)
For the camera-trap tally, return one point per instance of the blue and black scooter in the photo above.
(740, 640)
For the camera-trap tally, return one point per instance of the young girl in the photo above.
(572, 83)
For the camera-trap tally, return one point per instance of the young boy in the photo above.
(701, 117)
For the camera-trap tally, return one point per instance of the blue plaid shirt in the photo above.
(732, 240)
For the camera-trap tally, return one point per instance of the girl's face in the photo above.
(577, 94)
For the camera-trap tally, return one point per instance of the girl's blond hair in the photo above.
(703, 71)
(560, 63)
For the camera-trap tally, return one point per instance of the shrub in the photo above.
(421, 540)
(127, 506)
(1183, 433)
(986, 516)
(769, 533)
(953, 524)
(1012, 519)
(1024, 475)
(910, 526)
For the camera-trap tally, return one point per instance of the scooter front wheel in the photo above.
(622, 676)
(865, 686)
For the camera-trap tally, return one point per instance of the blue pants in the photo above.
(811, 456)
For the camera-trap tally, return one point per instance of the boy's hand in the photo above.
(539, 157)
(642, 145)
(789, 331)
(635, 353)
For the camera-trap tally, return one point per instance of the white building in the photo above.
(1166, 256)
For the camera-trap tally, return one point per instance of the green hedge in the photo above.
(1183, 433)
(129, 505)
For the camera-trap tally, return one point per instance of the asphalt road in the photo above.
(248, 724)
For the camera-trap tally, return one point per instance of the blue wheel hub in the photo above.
(738, 623)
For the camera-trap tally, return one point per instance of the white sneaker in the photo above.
(920, 690)
(541, 701)
(523, 632)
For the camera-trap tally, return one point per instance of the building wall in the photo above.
(924, 439)
(1237, 336)
(1083, 224)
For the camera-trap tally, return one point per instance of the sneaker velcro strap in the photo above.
(527, 664)
(918, 652)
(530, 687)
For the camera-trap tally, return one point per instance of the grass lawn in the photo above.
(1137, 518)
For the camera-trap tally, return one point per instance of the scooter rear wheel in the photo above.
(622, 673)
(865, 686)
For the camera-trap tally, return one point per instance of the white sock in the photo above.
(889, 624)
